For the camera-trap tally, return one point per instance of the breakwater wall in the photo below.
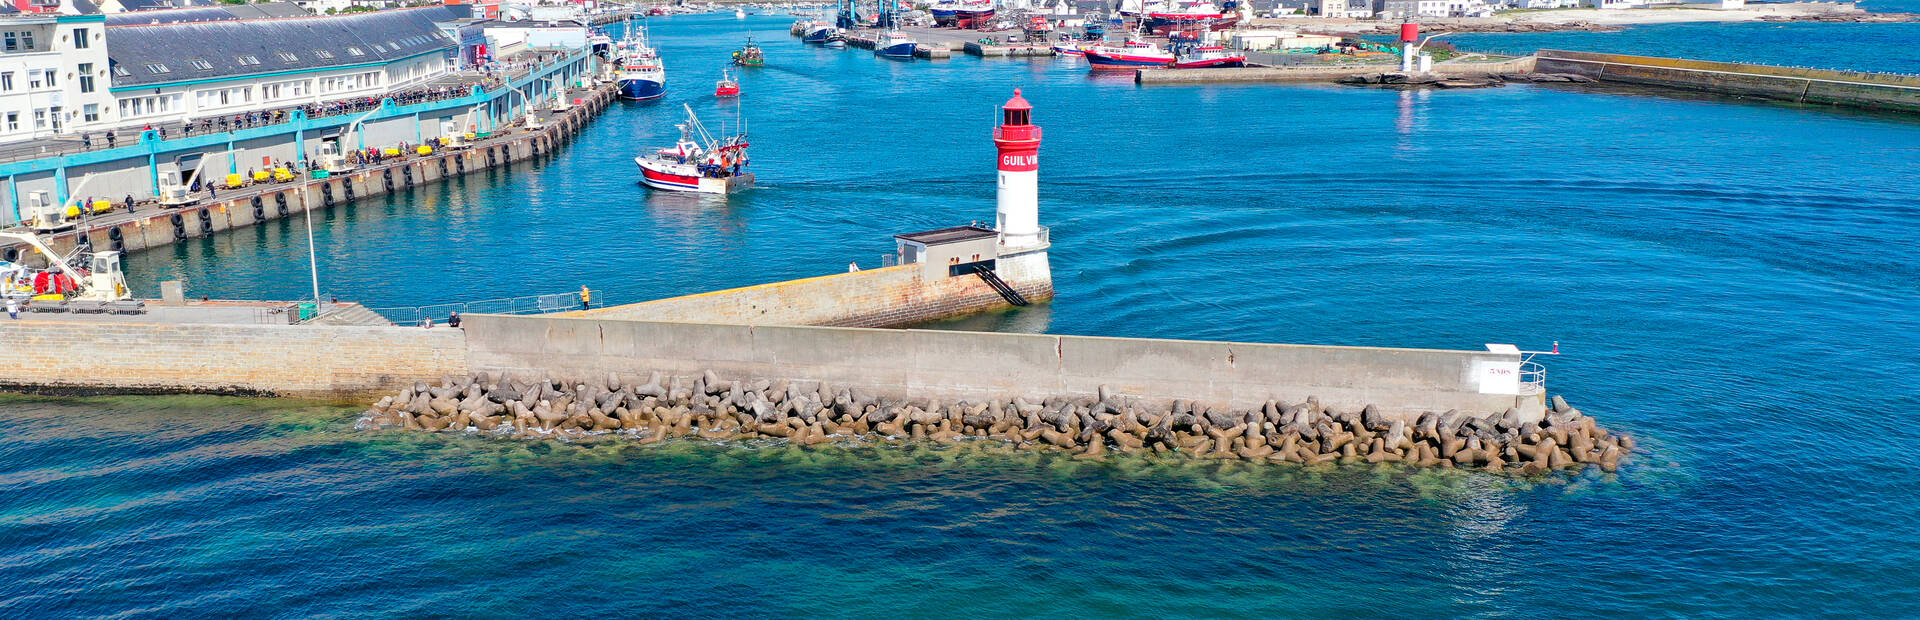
(1318, 73)
(336, 362)
(539, 377)
(981, 366)
(1876, 91)
(885, 297)
(152, 226)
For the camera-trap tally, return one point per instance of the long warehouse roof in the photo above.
(158, 54)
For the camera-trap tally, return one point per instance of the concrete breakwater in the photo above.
(1858, 89)
(1319, 73)
(713, 408)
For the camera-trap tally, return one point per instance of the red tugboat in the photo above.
(726, 87)
(698, 162)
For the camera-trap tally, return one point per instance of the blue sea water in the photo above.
(1734, 283)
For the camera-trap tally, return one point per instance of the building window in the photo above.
(248, 60)
(6, 81)
(86, 77)
(26, 39)
(50, 75)
(33, 80)
(201, 64)
(79, 38)
(288, 57)
(13, 41)
(351, 51)
(39, 118)
(55, 113)
(121, 71)
(154, 67)
(91, 113)
(13, 121)
(323, 53)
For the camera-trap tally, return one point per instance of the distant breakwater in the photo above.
(806, 413)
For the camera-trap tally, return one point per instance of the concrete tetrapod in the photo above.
(714, 408)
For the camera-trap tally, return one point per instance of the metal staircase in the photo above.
(999, 286)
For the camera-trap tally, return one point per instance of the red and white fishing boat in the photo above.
(1134, 55)
(698, 162)
(726, 87)
(1209, 57)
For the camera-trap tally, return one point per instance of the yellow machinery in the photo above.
(282, 173)
(102, 281)
(423, 149)
(235, 180)
(390, 151)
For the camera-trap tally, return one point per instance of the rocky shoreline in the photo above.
(807, 413)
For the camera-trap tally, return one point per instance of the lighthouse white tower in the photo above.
(1023, 241)
(1017, 209)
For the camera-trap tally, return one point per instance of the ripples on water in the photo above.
(1734, 283)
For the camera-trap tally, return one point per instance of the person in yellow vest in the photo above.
(586, 298)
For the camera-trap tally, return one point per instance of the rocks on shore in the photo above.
(713, 408)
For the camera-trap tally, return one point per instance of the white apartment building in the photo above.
(53, 74)
(172, 72)
(1401, 9)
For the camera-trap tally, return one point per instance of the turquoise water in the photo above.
(1734, 283)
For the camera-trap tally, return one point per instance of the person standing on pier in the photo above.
(586, 298)
(129, 203)
(13, 307)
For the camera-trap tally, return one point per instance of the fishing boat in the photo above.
(642, 75)
(837, 40)
(697, 162)
(739, 13)
(945, 12)
(817, 33)
(1069, 49)
(1207, 57)
(600, 43)
(895, 44)
(1133, 55)
(726, 87)
(973, 13)
(750, 55)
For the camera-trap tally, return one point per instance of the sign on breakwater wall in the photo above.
(884, 297)
(970, 365)
(1877, 91)
(281, 360)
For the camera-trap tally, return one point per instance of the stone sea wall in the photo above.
(1848, 88)
(278, 360)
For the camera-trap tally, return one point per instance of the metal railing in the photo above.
(1533, 374)
(1041, 239)
(531, 304)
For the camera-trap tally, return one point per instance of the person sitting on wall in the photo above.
(453, 319)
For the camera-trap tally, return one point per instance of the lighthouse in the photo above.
(974, 268)
(1017, 207)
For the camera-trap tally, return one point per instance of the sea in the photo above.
(1735, 283)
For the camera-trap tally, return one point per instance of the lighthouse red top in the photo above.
(1017, 138)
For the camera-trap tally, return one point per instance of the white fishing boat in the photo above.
(698, 162)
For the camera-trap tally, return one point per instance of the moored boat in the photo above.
(1133, 55)
(697, 162)
(895, 44)
(1209, 57)
(642, 75)
(817, 33)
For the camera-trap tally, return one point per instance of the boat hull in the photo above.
(1063, 50)
(897, 50)
(642, 90)
(816, 35)
(1213, 63)
(665, 180)
(1118, 62)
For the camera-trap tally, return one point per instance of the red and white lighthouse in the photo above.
(1017, 209)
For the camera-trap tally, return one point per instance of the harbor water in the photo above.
(1734, 283)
